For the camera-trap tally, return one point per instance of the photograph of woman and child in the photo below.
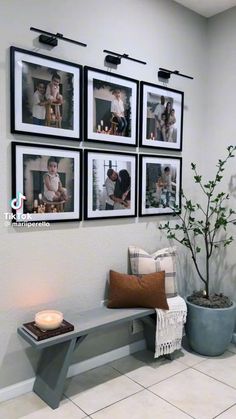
(111, 190)
(162, 117)
(47, 96)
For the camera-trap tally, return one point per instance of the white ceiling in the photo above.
(208, 8)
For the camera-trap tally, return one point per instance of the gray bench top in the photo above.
(88, 321)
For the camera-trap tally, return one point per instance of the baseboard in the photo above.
(234, 338)
(26, 386)
(16, 390)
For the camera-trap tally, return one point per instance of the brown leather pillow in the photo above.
(126, 291)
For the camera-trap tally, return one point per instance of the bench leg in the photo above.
(52, 371)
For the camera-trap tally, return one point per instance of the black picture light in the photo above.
(52, 39)
(165, 74)
(111, 59)
(115, 58)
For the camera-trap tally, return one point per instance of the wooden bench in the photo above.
(57, 352)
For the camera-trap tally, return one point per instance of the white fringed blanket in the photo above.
(169, 326)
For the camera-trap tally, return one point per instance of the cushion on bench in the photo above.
(162, 260)
(127, 291)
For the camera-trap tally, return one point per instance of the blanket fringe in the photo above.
(167, 347)
(169, 326)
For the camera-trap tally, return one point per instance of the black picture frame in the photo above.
(98, 188)
(106, 94)
(161, 117)
(31, 169)
(160, 183)
(46, 95)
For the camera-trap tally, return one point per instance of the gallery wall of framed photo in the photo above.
(57, 99)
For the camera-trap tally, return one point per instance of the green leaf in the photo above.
(197, 178)
(171, 236)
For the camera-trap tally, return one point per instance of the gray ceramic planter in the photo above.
(209, 330)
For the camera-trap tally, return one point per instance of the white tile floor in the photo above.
(138, 387)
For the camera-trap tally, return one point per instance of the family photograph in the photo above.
(47, 96)
(111, 185)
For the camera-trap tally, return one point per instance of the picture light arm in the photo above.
(119, 56)
(164, 73)
(51, 38)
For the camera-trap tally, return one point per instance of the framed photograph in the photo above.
(161, 123)
(111, 103)
(160, 184)
(110, 184)
(49, 180)
(45, 95)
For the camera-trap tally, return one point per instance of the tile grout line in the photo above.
(176, 373)
(216, 379)
(197, 363)
(136, 382)
(148, 389)
(126, 397)
(187, 367)
(228, 408)
(167, 401)
(78, 407)
(111, 404)
(232, 352)
(131, 379)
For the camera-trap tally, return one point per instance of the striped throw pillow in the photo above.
(162, 260)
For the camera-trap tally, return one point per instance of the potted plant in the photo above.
(211, 317)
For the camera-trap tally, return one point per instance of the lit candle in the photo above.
(48, 319)
(106, 129)
(102, 124)
(99, 128)
(151, 135)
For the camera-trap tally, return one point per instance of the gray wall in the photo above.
(66, 266)
(220, 124)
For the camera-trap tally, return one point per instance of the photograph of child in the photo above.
(47, 96)
(39, 105)
(48, 184)
(53, 190)
(112, 109)
(160, 185)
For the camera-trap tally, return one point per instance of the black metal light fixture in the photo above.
(115, 58)
(165, 74)
(51, 39)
